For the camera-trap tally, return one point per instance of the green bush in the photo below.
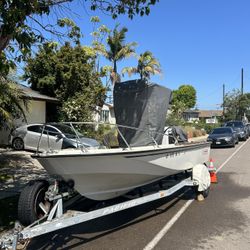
(199, 128)
(210, 127)
(200, 125)
(174, 121)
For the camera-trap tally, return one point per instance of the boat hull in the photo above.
(106, 174)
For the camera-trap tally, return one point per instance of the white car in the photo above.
(53, 136)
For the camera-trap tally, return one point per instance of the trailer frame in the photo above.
(56, 219)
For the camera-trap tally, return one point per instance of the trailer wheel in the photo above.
(28, 205)
(205, 193)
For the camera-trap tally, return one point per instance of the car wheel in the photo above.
(18, 144)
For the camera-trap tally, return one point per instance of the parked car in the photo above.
(223, 136)
(240, 128)
(54, 136)
(248, 128)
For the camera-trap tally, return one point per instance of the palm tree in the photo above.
(147, 65)
(12, 104)
(118, 49)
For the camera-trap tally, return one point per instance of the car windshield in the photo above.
(221, 131)
(234, 124)
(67, 130)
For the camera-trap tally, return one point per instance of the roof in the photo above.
(210, 113)
(35, 95)
(110, 105)
(191, 111)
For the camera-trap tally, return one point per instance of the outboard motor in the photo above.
(176, 134)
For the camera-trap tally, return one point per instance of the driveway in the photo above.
(17, 168)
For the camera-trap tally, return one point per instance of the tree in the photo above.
(183, 98)
(67, 73)
(147, 65)
(117, 49)
(236, 105)
(17, 34)
(185, 94)
(99, 34)
(12, 103)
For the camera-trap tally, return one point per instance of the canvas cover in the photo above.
(141, 105)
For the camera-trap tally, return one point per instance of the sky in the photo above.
(204, 43)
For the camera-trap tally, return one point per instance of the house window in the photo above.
(104, 116)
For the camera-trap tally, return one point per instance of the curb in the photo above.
(198, 139)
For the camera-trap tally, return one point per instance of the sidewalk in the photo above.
(198, 139)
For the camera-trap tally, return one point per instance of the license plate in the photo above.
(218, 142)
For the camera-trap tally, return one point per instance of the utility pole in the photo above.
(223, 99)
(242, 81)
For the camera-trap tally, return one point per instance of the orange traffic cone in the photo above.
(212, 172)
(211, 165)
(213, 177)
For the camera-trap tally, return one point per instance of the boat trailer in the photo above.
(56, 219)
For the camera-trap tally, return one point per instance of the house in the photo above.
(105, 114)
(41, 109)
(208, 116)
(191, 115)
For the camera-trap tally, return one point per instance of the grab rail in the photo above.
(83, 147)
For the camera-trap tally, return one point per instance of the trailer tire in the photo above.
(29, 200)
(205, 193)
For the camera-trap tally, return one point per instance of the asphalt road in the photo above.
(222, 221)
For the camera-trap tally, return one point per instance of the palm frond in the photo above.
(125, 52)
(5, 115)
(129, 71)
(148, 64)
(99, 48)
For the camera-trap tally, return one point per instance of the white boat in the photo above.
(102, 174)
